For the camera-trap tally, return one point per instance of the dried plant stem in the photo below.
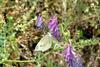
(20, 60)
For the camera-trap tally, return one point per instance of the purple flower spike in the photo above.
(69, 54)
(53, 26)
(39, 22)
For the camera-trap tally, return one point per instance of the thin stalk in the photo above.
(64, 6)
(20, 61)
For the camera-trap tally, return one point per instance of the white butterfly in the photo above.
(45, 43)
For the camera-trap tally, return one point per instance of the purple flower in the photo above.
(69, 54)
(53, 26)
(39, 22)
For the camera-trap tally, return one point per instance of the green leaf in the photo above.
(81, 6)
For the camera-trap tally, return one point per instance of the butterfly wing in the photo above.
(45, 43)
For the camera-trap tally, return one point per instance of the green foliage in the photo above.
(0, 2)
(1, 40)
(7, 39)
(82, 43)
(10, 34)
(3, 53)
(71, 14)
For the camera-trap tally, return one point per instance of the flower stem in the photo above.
(20, 60)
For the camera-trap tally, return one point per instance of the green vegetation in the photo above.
(78, 21)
